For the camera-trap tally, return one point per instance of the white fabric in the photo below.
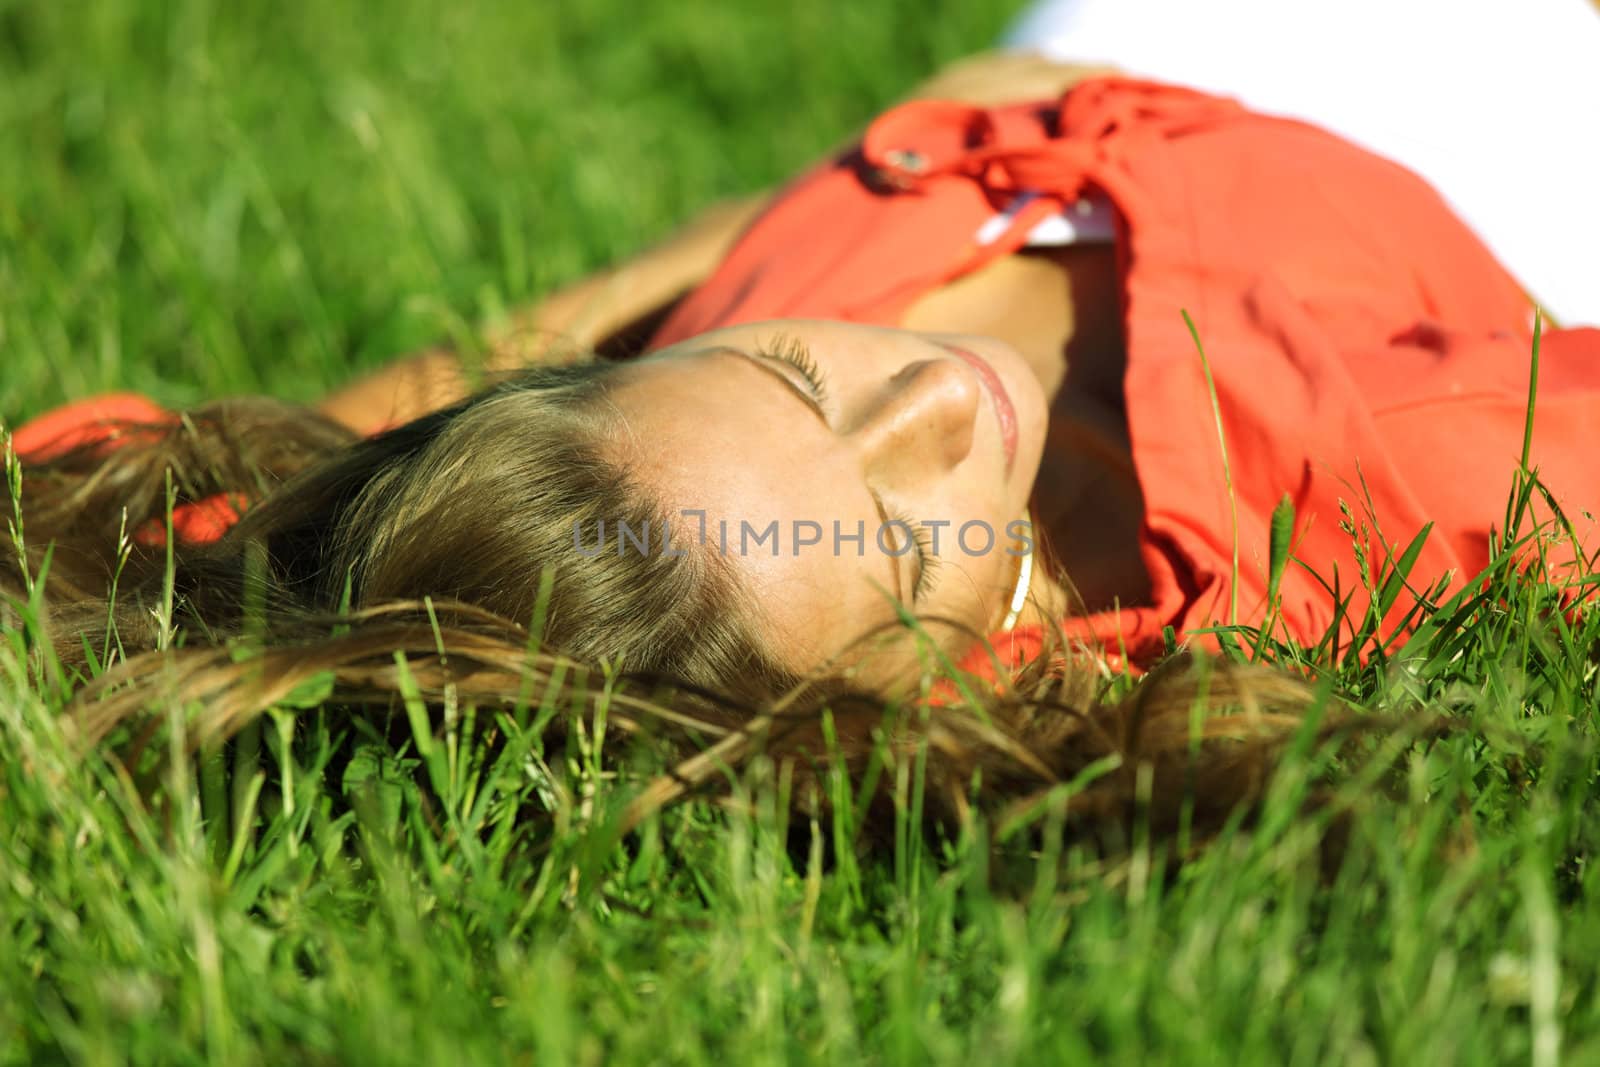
(1495, 102)
(1091, 220)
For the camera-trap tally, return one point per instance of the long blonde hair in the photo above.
(449, 542)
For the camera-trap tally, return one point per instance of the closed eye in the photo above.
(788, 349)
(927, 562)
(791, 350)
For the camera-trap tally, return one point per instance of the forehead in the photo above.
(712, 430)
(715, 436)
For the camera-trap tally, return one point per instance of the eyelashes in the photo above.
(791, 350)
(930, 566)
(927, 562)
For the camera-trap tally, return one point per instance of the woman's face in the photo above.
(815, 455)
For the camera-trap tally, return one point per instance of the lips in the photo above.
(1004, 413)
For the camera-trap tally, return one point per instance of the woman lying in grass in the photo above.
(1036, 376)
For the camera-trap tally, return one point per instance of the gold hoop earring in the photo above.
(1019, 594)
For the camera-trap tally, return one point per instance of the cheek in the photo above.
(821, 605)
(817, 597)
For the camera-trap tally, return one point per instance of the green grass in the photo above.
(199, 199)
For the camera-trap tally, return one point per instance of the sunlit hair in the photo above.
(471, 504)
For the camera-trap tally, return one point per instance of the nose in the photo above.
(922, 421)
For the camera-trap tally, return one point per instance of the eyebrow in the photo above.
(767, 364)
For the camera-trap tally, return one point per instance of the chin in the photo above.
(1033, 426)
(1028, 400)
